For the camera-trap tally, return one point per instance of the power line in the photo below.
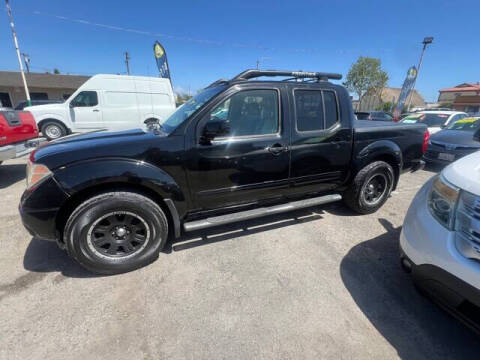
(175, 37)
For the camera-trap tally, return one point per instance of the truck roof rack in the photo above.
(316, 76)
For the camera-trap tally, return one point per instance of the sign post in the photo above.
(12, 26)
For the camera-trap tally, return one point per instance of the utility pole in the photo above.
(12, 26)
(26, 60)
(127, 59)
(425, 42)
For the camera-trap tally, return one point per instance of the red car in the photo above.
(18, 134)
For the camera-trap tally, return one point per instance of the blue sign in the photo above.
(161, 58)
(406, 88)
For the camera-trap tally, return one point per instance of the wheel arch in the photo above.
(383, 150)
(89, 178)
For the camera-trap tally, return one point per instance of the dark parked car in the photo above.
(455, 141)
(374, 115)
(22, 105)
(111, 199)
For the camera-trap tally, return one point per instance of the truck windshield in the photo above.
(187, 109)
(466, 124)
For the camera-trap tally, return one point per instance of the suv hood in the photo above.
(465, 173)
(95, 145)
(456, 137)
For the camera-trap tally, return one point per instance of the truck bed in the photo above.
(408, 139)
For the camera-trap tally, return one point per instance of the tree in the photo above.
(56, 71)
(366, 75)
(182, 98)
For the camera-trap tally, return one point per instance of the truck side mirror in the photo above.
(213, 129)
(476, 135)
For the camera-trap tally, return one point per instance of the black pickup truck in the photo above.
(239, 149)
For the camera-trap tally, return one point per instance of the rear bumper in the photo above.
(417, 165)
(19, 149)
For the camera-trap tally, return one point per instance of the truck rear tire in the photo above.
(370, 188)
(116, 232)
(53, 130)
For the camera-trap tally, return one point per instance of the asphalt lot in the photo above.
(317, 283)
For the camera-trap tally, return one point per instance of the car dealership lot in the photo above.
(315, 283)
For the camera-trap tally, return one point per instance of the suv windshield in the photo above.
(187, 109)
(466, 124)
(431, 120)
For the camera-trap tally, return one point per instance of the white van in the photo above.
(112, 102)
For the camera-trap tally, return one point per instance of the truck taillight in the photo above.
(426, 138)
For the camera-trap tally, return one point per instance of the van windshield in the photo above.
(187, 109)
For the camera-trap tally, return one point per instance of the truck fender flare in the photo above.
(96, 173)
(380, 150)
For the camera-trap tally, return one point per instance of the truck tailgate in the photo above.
(16, 126)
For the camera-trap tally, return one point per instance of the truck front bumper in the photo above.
(39, 209)
(429, 253)
(19, 149)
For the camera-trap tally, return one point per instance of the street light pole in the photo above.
(12, 26)
(425, 42)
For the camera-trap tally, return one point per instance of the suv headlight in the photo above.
(442, 201)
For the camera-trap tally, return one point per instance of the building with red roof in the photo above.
(463, 97)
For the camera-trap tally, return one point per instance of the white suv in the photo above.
(440, 239)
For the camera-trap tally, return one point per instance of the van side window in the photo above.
(85, 99)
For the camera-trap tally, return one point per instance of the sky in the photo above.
(208, 40)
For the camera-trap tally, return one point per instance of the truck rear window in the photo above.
(315, 109)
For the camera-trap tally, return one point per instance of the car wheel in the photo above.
(53, 130)
(370, 188)
(116, 232)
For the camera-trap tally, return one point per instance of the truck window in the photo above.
(85, 99)
(249, 112)
(309, 110)
(331, 108)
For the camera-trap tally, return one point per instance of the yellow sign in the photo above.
(158, 50)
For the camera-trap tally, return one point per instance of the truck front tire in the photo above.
(370, 188)
(53, 130)
(116, 232)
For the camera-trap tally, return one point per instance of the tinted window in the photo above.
(38, 96)
(85, 99)
(465, 124)
(309, 110)
(431, 120)
(362, 115)
(250, 112)
(331, 110)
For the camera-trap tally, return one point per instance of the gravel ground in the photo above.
(317, 283)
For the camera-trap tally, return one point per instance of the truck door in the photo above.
(240, 153)
(85, 110)
(321, 142)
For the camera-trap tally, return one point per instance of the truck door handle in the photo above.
(277, 149)
(95, 110)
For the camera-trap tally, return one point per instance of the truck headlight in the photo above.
(36, 173)
(442, 201)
